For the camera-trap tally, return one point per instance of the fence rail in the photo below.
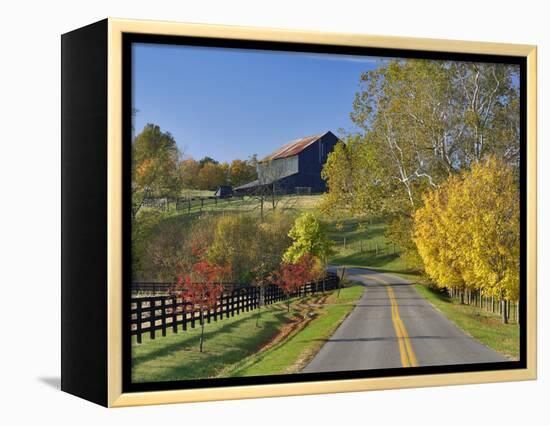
(188, 204)
(487, 303)
(150, 314)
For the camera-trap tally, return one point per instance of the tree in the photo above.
(353, 185)
(270, 244)
(421, 121)
(292, 276)
(155, 157)
(212, 175)
(234, 246)
(200, 289)
(207, 160)
(430, 119)
(310, 237)
(437, 238)
(241, 172)
(467, 232)
(189, 171)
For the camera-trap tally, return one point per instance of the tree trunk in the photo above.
(202, 331)
(504, 310)
(259, 314)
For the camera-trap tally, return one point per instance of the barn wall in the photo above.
(303, 169)
(311, 161)
(277, 169)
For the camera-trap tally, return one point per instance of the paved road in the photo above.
(393, 326)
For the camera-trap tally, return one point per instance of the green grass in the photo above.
(197, 193)
(365, 245)
(177, 356)
(227, 342)
(483, 326)
(292, 354)
(289, 203)
(230, 341)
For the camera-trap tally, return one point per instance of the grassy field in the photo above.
(359, 242)
(483, 326)
(247, 204)
(292, 354)
(228, 342)
(177, 356)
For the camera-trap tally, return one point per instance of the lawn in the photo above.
(360, 242)
(483, 326)
(228, 342)
(292, 354)
(177, 356)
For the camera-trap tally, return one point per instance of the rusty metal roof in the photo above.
(293, 147)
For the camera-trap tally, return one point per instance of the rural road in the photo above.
(393, 326)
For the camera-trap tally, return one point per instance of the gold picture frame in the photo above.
(116, 28)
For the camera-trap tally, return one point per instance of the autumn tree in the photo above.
(421, 121)
(234, 245)
(309, 236)
(350, 173)
(155, 157)
(212, 175)
(189, 172)
(270, 244)
(467, 232)
(201, 289)
(241, 172)
(291, 276)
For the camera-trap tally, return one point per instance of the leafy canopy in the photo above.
(467, 232)
(310, 237)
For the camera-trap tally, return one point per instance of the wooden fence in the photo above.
(150, 314)
(188, 204)
(486, 303)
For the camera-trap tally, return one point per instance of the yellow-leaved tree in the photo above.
(467, 231)
(437, 238)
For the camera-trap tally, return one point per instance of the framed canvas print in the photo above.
(254, 212)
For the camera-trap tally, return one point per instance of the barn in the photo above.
(293, 168)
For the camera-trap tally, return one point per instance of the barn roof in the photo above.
(248, 185)
(294, 147)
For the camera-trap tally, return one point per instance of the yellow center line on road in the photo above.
(408, 358)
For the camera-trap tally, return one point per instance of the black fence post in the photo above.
(138, 320)
(152, 318)
(175, 314)
(163, 319)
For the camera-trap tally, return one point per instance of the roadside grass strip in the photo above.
(483, 326)
(293, 353)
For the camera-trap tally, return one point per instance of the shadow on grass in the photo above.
(216, 356)
(353, 234)
(189, 341)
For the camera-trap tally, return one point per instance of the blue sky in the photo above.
(230, 103)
